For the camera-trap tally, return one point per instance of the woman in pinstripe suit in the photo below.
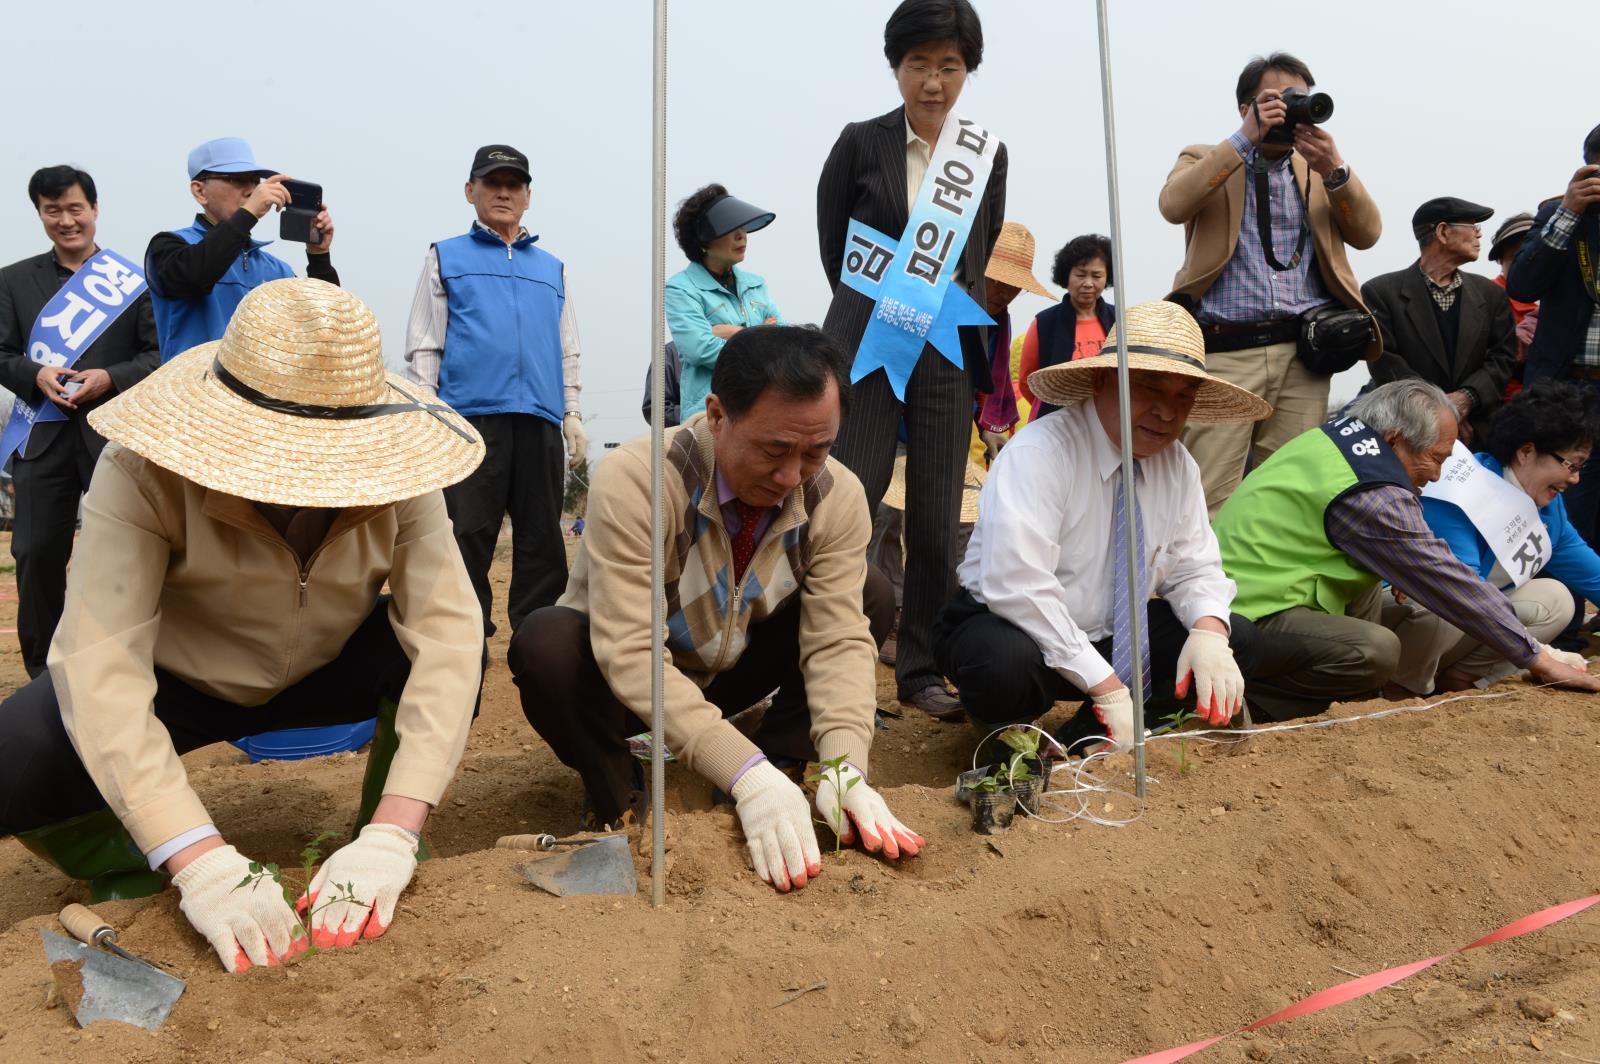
(873, 175)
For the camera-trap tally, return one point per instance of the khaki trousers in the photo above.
(1429, 643)
(1299, 401)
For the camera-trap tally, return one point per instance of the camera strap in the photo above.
(1264, 213)
(1587, 241)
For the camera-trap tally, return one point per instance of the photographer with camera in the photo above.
(1556, 266)
(198, 274)
(1266, 216)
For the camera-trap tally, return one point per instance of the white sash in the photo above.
(1502, 513)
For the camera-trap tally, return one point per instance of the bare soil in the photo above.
(1251, 879)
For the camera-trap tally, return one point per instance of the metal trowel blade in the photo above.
(603, 867)
(102, 986)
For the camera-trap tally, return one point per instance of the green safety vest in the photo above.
(1273, 530)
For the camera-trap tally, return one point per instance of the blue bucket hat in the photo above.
(225, 155)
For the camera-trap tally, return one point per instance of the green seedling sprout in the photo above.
(1175, 722)
(293, 885)
(1023, 740)
(834, 768)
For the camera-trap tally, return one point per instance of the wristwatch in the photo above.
(1336, 177)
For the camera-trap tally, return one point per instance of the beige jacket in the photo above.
(1205, 194)
(815, 549)
(169, 574)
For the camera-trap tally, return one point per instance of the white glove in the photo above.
(246, 925)
(866, 812)
(367, 876)
(1218, 683)
(1566, 657)
(577, 440)
(777, 827)
(1115, 710)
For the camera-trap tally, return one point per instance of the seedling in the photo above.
(1024, 741)
(1175, 722)
(833, 768)
(294, 884)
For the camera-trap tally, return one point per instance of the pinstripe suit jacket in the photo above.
(865, 179)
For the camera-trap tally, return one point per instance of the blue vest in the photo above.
(502, 341)
(185, 323)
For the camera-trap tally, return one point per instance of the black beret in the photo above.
(1448, 209)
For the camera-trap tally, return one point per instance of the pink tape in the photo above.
(1366, 984)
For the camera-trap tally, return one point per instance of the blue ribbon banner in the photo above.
(910, 278)
(76, 316)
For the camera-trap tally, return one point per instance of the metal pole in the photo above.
(658, 426)
(1135, 562)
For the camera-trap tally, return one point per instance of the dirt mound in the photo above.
(1254, 877)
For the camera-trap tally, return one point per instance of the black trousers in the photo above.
(938, 416)
(49, 487)
(44, 782)
(567, 700)
(521, 475)
(1004, 680)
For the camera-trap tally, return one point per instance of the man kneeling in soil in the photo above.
(1316, 530)
(256, 495)
(767, 586)
(1044, 597)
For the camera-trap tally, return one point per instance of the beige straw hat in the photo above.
(894, 496)
(1162, 338)
(293, 407)
(1011, 261)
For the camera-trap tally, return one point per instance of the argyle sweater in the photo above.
(815, 548)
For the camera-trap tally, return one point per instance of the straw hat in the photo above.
(894, 496)
(1011, 261)
(1162, 338)
(293, 407)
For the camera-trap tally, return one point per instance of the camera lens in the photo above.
(1319, 107)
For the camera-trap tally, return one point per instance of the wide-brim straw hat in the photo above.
(894, 496)
(1162, 338)
(293, 407)
(1011, 261)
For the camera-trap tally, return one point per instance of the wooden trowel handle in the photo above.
(525, 842)
(85, 925)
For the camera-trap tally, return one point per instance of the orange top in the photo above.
(1091, 336)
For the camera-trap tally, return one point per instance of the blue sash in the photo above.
(909, 278)
(76, 316)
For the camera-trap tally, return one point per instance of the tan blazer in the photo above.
(1205, 194)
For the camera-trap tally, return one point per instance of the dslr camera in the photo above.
(1313, 107)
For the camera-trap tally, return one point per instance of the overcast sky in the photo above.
(384, 104)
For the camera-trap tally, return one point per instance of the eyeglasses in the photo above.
(1573, 468)
(922, 72)
(247, 182)
(1474, 226)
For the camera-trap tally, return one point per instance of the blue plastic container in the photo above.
(296, 744)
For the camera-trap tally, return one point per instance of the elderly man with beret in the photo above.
(1444, 325)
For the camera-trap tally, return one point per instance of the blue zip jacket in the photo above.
(185, 323)
(502, 340)
(1572, 560)
(695, 302)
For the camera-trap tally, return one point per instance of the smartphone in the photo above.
(305, 200)
(71, 388)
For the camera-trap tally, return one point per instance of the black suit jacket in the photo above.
(865, 179)
(1542, 274)
(1486, 349)
(128, 350)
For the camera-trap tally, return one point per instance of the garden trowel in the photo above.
(605, 867)
(100, 980)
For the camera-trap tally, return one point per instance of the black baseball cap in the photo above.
(492, 157)
(1448, 209)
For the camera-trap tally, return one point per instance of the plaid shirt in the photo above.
(1558, 234)
(1248, 290)
(1444, 295)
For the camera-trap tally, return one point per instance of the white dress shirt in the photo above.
(1041, 555)
(430, 313)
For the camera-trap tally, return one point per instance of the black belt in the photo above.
(1225, 336)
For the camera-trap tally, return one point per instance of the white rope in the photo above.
(1087, 787)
